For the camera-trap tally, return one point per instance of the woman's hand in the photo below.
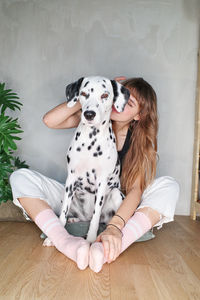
(112, 241)
(120, 78)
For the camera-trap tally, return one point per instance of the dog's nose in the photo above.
(89, 115)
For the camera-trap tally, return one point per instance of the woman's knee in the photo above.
(17, 176)
(168, 183)
(173, 185)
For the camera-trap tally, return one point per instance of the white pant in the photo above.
(162, 195)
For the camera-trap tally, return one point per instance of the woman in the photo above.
(148, 202)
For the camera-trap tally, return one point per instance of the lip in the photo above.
(114, 109)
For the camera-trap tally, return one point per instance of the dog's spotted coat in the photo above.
(92, 189)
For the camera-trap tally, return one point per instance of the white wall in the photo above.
(46, 44)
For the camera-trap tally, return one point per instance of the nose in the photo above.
(89, 115)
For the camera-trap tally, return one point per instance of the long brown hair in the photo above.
(141, 157)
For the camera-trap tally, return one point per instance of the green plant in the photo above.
(8, 129)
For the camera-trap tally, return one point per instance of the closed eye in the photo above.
(131, 103)
(105, 95)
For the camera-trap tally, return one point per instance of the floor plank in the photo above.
(167, 267)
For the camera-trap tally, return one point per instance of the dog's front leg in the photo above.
(68, 196)
(94, 224)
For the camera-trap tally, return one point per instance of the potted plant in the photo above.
(9, 129)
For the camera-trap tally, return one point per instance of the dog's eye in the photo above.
(104, 96)
(83, 94)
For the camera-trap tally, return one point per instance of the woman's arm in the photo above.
(111, 236)
(61, 116)
(128, 206)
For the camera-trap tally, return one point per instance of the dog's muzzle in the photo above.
(89, 115)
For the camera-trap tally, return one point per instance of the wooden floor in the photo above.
(167, 267)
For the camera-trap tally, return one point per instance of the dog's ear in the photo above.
(121, 95)
(72, 92)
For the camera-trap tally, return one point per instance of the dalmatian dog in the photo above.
(92, 188)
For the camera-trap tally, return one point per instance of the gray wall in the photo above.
(47, 44)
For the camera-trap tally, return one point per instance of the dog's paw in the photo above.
(47, 243)
(73, 220)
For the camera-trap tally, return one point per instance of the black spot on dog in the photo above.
(68, 159)
(77, 135)
(94, 212)
(90, 135)
(99, 183)
(122, 195)
(75, 215)
(100, 203)
(103, 122)
(89, 147)
(125, 92)
(92, 90)
(95, 154)
(100, 153)
(88, 189)
(118, 161)
(95, 199)
(99, 148)
(104, 80)
(111, 213)
(93, 170)
(110, 130)
(87, 174)
(70, 148)
(116, 94)
(115, 185)
(108, 157)
(111, 137)
(90, 181)
(83, 145)
(86, 84)
(101, 197)
(103, 85)
(78, 149)
(67, 189)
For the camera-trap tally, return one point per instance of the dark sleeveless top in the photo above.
(122, 153)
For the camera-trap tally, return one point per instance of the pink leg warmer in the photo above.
(76, 248)
(136, 227)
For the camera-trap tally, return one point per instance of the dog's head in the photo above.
(97, 95)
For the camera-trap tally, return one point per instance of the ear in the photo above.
(121, 95)
(72, 92)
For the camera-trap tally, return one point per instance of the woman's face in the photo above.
(130, 112)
